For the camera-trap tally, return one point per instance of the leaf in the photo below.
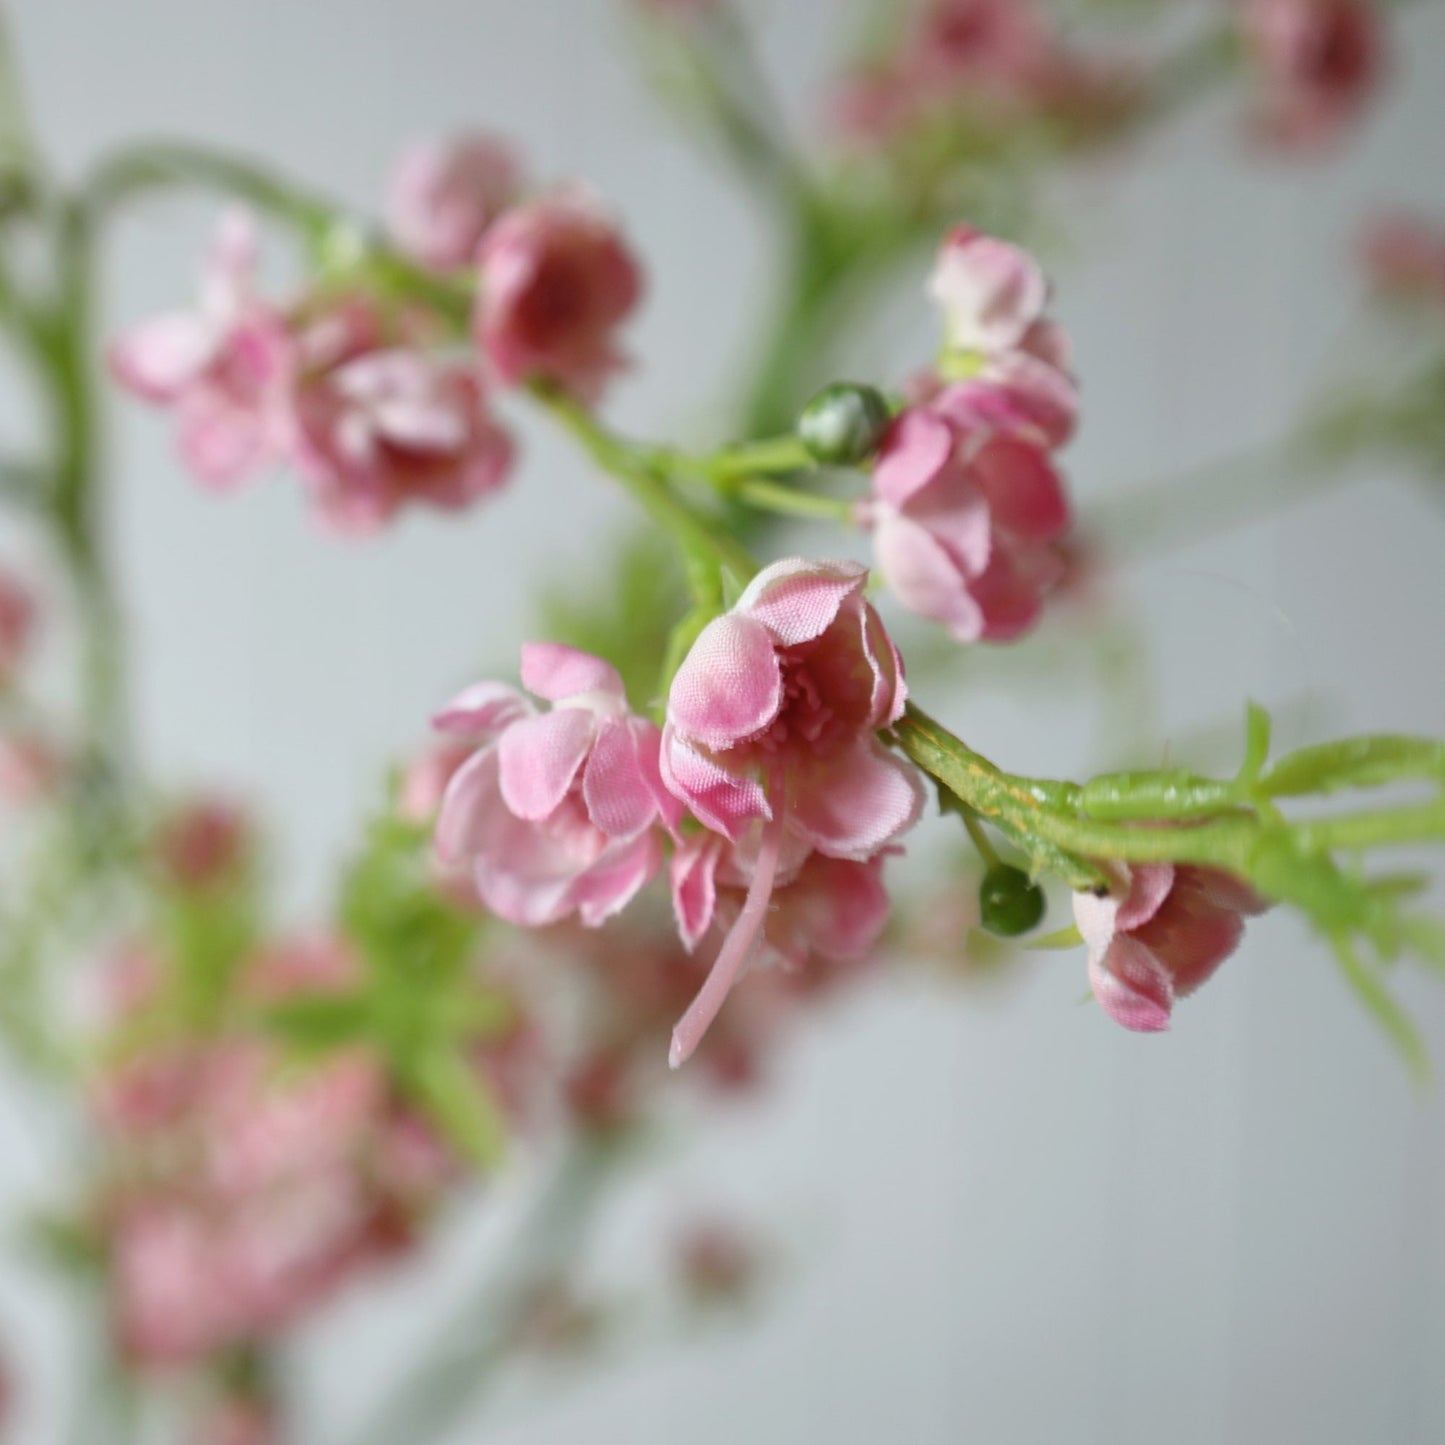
(1257, 728)
(1062, 938)
(454, 1095)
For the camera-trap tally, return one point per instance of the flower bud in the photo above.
(843, 424)
(1008, 903)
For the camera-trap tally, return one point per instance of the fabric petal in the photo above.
(471, 791)
(556, 672)
(1132, 986)
(485, 707)
(856, 802)
(1025, 494)
(925, 578)
(796, 600)
(158, 358)
(723, 801)
(540, 756)
(614, 782)
(615, 880)
(917, 449)
(694, 885)
(729, 686)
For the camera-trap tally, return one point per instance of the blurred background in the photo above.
(993, 1216)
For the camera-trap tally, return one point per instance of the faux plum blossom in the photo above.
(557, 811)
(771, 741)
(1321, 62)
(830, 909)
(1160, 937)
(963, 523)
(226, 366)
(445, 193)
(556, 281)
(394, 427)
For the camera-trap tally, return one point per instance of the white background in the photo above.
(1007, 1220)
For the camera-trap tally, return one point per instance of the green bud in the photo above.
(843, 424)
(1008, 903)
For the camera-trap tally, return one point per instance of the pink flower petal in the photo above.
(615, 880)
(918, 447)
(158, 358)
(615, 783)
(557, 672)
(539, 757)
(797, 600)
(723, 801)
(853, 804)
(1025, 493)
(1132, 986)
(694, 885)
(729, 686)
(483, 708)
(925, 578)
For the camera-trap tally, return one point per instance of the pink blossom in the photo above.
(557, 279)
(445, 193)
(1406, 257)
(991, 292)
(1160, 937)
(17, 626)
(388, 428)
(32, 768)
(833, 909)
(225, 366)
(771, 740)
(556, 811)
(963, 523)
(1321, 61)
(203, 843)
(963, 44)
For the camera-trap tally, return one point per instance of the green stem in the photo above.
(155, 165)
(636, 467)
(785, 501)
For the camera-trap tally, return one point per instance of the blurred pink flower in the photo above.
(444, 193)
(225, 366)
(772, 719)
(1406, 257)
(991, 293)
(963, 523)
(1321, 62)
(204, 842)
(557, 279)
(556, 812)
(392, 427)
(17, 626)
(1160, 938)
(32, 768)
(960, 44)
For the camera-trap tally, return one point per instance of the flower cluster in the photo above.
(982, 63)
(376, 401)
(968, 502)
(770, 744)
(242, 1187)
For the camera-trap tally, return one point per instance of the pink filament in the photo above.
(737, 946)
